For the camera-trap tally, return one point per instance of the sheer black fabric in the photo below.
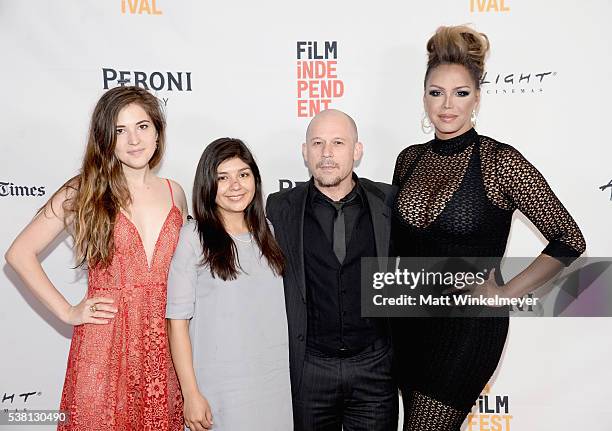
(456, 198)
(434, 177)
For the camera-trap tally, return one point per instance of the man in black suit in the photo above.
(340, 362)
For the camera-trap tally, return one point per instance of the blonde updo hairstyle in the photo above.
(458, 45)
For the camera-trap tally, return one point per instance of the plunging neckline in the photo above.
(144, 251)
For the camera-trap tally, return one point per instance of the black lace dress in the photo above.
(456, 198)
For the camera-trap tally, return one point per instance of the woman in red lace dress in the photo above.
(125, 222)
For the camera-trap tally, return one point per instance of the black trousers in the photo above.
(356, 393)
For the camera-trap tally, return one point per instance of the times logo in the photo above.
(9, 189)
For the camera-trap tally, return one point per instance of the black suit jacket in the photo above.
(286, 212)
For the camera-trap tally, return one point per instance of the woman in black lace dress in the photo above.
(456, 197)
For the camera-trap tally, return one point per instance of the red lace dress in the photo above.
(120, 375)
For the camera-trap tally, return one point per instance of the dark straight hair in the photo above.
(219, 251)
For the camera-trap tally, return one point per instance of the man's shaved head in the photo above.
(333, 115)
(331, 150)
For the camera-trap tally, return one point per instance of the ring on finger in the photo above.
(93, 308)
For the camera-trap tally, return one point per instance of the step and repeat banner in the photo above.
(259, 71)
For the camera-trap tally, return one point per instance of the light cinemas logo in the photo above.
(158, 81)
(493, 413)
(10, 189)
(139, 7)
(516, 83)
(18, 401)
(317, 77)
(10, 398)
(488, 6)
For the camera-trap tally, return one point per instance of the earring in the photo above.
(473, 118)
(426, 126)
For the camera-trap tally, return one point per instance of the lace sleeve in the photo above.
(404, 160)
(524, 188)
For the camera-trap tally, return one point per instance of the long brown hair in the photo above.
(218, 248)
(97, 193)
